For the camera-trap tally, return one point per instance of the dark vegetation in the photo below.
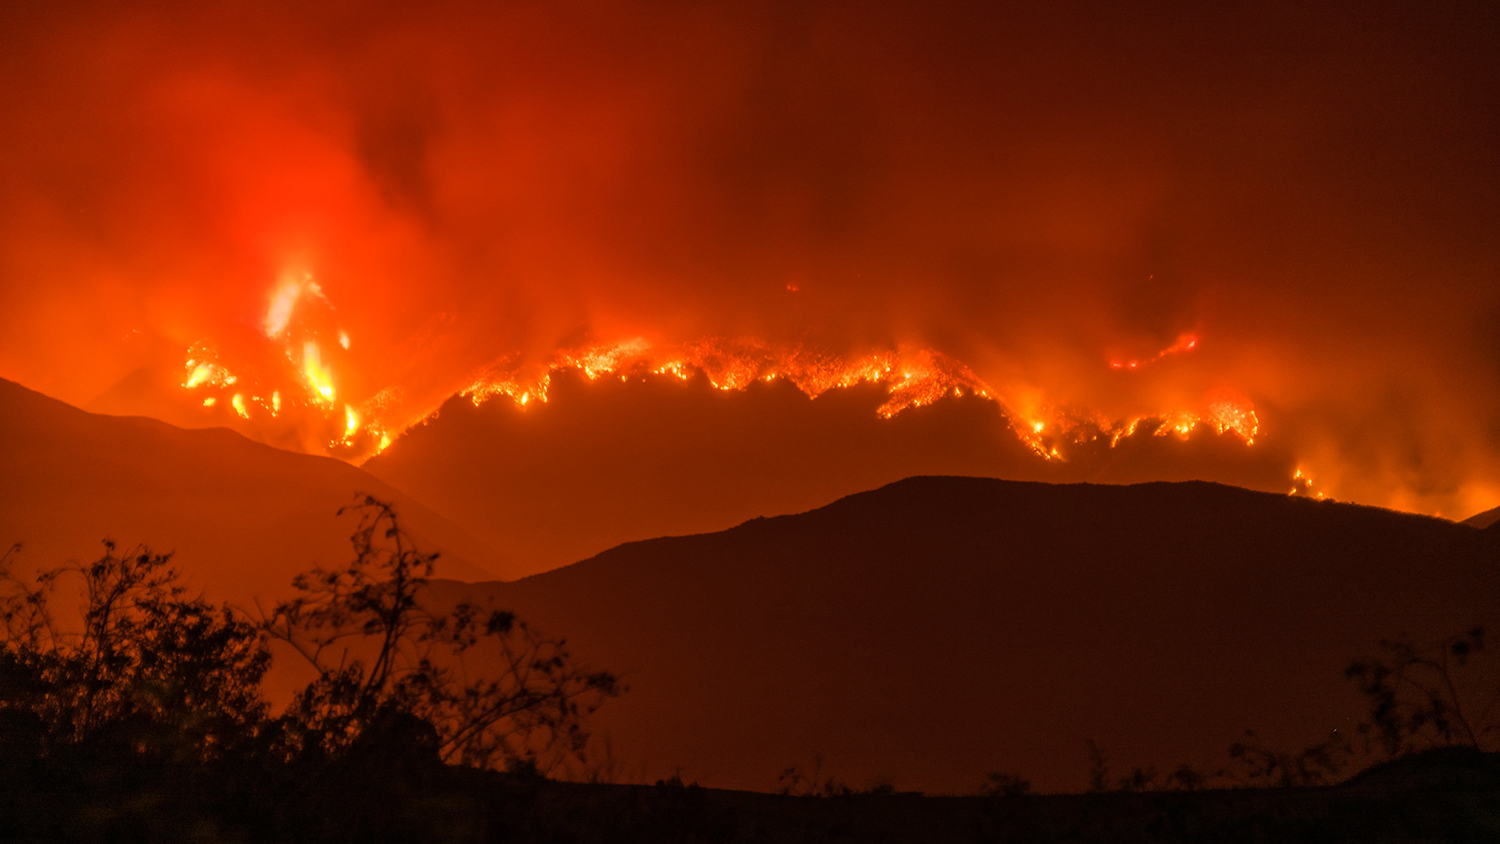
(138, 715)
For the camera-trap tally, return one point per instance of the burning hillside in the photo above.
(295, 384)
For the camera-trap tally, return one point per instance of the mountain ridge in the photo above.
(242, 516)
(938, 628)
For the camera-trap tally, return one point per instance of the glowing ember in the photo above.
(238, 403)
(1234, 413)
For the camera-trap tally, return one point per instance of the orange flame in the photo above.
(205, 373)
(318, 376)
(911, 378)
(1185, 343)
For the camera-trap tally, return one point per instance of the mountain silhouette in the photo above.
(243, 518)
(1485, 519)
(939, 628)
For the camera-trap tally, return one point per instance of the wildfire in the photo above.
(298, 369)
(318, 376)
(299, 326)
(1302, 484)
(205, 373)
(911, 378)
(1234, 413)
(1185, 343)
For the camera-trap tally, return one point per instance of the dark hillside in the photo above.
(244, 518)
(611, 461)
(938, 628)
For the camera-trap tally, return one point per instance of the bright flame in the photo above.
(210, 374)
(1302, 484)
(911, 378)
(1229, 412)
(318, 376)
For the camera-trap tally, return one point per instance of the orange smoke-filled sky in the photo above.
(1310, 190)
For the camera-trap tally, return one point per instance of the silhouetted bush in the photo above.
(140, 715)
(1437, 695)
(1004, 785)
(378, 650)
(142, 667)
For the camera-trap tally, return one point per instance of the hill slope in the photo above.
(939, 628)
(1485, 519)
(610, 461)
(242, 517)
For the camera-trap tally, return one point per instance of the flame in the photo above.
(205, 373)
(1185, 343)
(294, 369)
(1302, 484)
(1229, 412)
(912, 378)
(318, 376)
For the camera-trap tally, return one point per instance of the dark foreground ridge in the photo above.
(937, 629)
(393, 793)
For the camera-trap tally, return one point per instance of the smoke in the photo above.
(1037, 193)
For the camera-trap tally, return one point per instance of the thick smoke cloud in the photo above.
(1310, 190)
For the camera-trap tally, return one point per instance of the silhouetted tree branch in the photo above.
(1430, 696)
(498, 693)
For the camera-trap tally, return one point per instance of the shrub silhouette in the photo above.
(380, 652)
(1421, 697)
(142, 666)
(1434, 695)
(148, 671)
